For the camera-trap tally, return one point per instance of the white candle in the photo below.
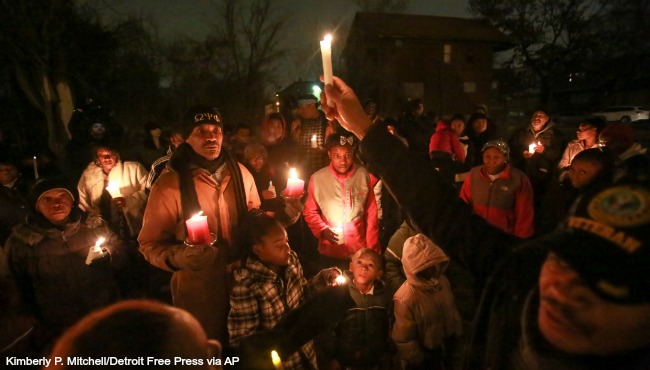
(531, 148)
(339, 232)
(114, 189)
(340, 280)
(272, 188)
(35, 168)
(314, 142)
(326, 53)
(95, 251)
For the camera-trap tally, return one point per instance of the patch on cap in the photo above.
(207, 117)
(621, 206)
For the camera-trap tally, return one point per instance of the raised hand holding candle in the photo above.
(95, 251)
(326, 53)
(295, 186)
(114, 189)
(340, 280)
(531, 148)
(197, 229)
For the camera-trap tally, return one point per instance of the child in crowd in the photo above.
(427, 323)
(341, 209)
(363, 338)
(268, 285)
(445, 149)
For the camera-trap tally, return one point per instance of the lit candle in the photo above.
(314, 142)
(272, 188)
(197, 229)
(114, 189)
(295, 186)
(326, 53)
(340, 280)
(339, 232)
(95, 251)
(35, 168)
(531, 148)
(277, 362)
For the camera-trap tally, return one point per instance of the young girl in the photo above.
(269, 284)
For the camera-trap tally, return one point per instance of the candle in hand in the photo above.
(314, 142)
(295, 186)
(114, 189)
(95, 251)
(197, 229)
(340, 280)
(339, 232)
(35, 168)
(531, 148)
(326, 53)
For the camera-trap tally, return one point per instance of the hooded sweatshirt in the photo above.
(425, 312)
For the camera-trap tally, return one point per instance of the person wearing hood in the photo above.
(61, 277)
(536, 149)
(427, 323)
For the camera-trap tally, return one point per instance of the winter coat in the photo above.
(203, 293)
(445, 140)
(131, 176)
(506, 202)
(363, 337)
(425, 312)
(48, 265)
(14, 209)
(347, 199)
(260, 298)
(573, 148)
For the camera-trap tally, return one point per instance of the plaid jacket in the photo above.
(260, 298)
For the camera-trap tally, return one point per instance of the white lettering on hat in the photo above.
(628, 243)
(202, 117)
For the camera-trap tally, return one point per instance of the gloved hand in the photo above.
(195, 258)
(324, 278)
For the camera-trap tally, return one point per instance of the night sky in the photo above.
(308, 21)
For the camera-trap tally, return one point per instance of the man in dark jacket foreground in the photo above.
(578, 298)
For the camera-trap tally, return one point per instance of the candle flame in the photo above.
(313, 137)
(328, 38)
(100, 241)
(275, 358)
(197, 215)
(293, 173)
(340, 280)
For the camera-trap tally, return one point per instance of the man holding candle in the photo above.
(309, 131)
(205, 178)
(340, 196)
(539, 164)
(47, 258)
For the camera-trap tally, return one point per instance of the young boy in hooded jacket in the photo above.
(427, 322)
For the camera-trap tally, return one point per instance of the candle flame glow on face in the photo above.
(293, 173)
(100, 241)
(196, 216)
(340, 280)
(275, 358)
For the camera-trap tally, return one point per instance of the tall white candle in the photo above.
(326, 53)
(35, 168)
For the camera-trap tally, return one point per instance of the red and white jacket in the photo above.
(343, 200)
(506, 202)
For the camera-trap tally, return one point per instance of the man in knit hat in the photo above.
(578, 298)
(203, 178)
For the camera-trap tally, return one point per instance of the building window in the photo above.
(447, 53)
(469, 87)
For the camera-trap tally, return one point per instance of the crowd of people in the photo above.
(457, 247)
